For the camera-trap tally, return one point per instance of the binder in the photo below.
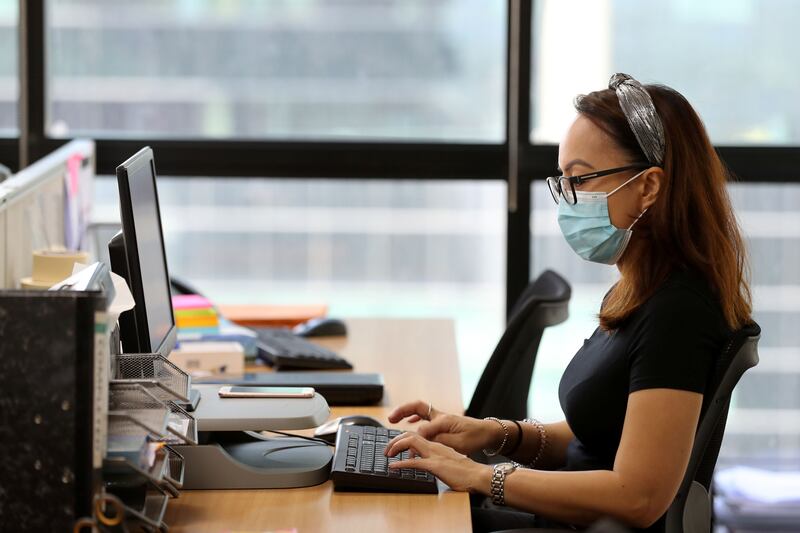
(54, 358)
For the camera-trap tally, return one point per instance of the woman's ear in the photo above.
(651, 182)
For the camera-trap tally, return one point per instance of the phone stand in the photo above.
(231, 455)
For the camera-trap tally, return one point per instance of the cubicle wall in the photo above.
(2, 239)
(46, 205)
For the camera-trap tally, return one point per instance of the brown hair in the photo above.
(691, 224)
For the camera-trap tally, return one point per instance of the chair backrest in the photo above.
(690, 512)
(502, 390)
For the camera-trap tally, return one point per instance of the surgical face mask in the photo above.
(588, 229)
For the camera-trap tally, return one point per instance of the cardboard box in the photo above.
(214, 357)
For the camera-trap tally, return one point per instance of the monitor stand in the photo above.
(232, 455)
(247, 460)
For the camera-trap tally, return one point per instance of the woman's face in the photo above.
(586, 148)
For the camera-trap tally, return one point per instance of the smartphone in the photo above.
(266, 392)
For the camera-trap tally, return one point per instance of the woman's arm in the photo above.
(650, 463)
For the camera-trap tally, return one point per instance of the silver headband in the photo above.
(642, 116)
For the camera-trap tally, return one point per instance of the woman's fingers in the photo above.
(431, 429)
(408, 441)
(436, 431)
(418, 408)
(397, 444)
(416, 462)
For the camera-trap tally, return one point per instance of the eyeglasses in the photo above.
(564, 186)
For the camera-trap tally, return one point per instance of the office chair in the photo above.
(690, 512)
(503, 388)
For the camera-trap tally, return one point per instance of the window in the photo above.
(9, 78)
(347, 69)
(723, 55)
(365, 248)
(763, 423)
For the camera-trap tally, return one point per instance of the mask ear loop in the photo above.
(627, 182)
(637, 218)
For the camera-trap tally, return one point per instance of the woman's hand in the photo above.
(459, 472)
(462, 433)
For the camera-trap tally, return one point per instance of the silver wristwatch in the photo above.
(498, 487)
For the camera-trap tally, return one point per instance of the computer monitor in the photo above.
(137, 254)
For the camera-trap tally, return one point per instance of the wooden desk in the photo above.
(418, 360)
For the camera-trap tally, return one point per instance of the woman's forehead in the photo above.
(585, 141)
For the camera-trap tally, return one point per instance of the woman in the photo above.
(642, 188)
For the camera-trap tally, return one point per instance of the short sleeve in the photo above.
(676, 341)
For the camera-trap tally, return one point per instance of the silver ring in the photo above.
(430, 409)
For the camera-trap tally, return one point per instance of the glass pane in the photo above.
(734, 60)
(9, 78)
(365, 248)
(764, 422)
(344, 69)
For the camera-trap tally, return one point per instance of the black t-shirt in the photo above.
(670, 342)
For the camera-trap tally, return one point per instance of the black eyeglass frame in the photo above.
(556, 189)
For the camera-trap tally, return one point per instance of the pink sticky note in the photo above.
(73, 169)
(190, 301)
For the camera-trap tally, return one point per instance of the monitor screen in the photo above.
(144, 248)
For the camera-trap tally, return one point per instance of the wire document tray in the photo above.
(167, 380)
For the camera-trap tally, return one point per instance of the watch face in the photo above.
(506, 468)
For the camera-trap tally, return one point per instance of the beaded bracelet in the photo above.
(492, 453)
(542, 442)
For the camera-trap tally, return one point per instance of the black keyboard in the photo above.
(285, 350)
(359, 463)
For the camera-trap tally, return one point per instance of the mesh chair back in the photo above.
(691, 509)
(502, 390)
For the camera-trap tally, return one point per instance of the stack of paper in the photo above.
(756, 498)
(195, 314)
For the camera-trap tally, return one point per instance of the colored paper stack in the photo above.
(195, 315)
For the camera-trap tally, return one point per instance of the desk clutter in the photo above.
(93, 432)
(104, 441)
(206, 337)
